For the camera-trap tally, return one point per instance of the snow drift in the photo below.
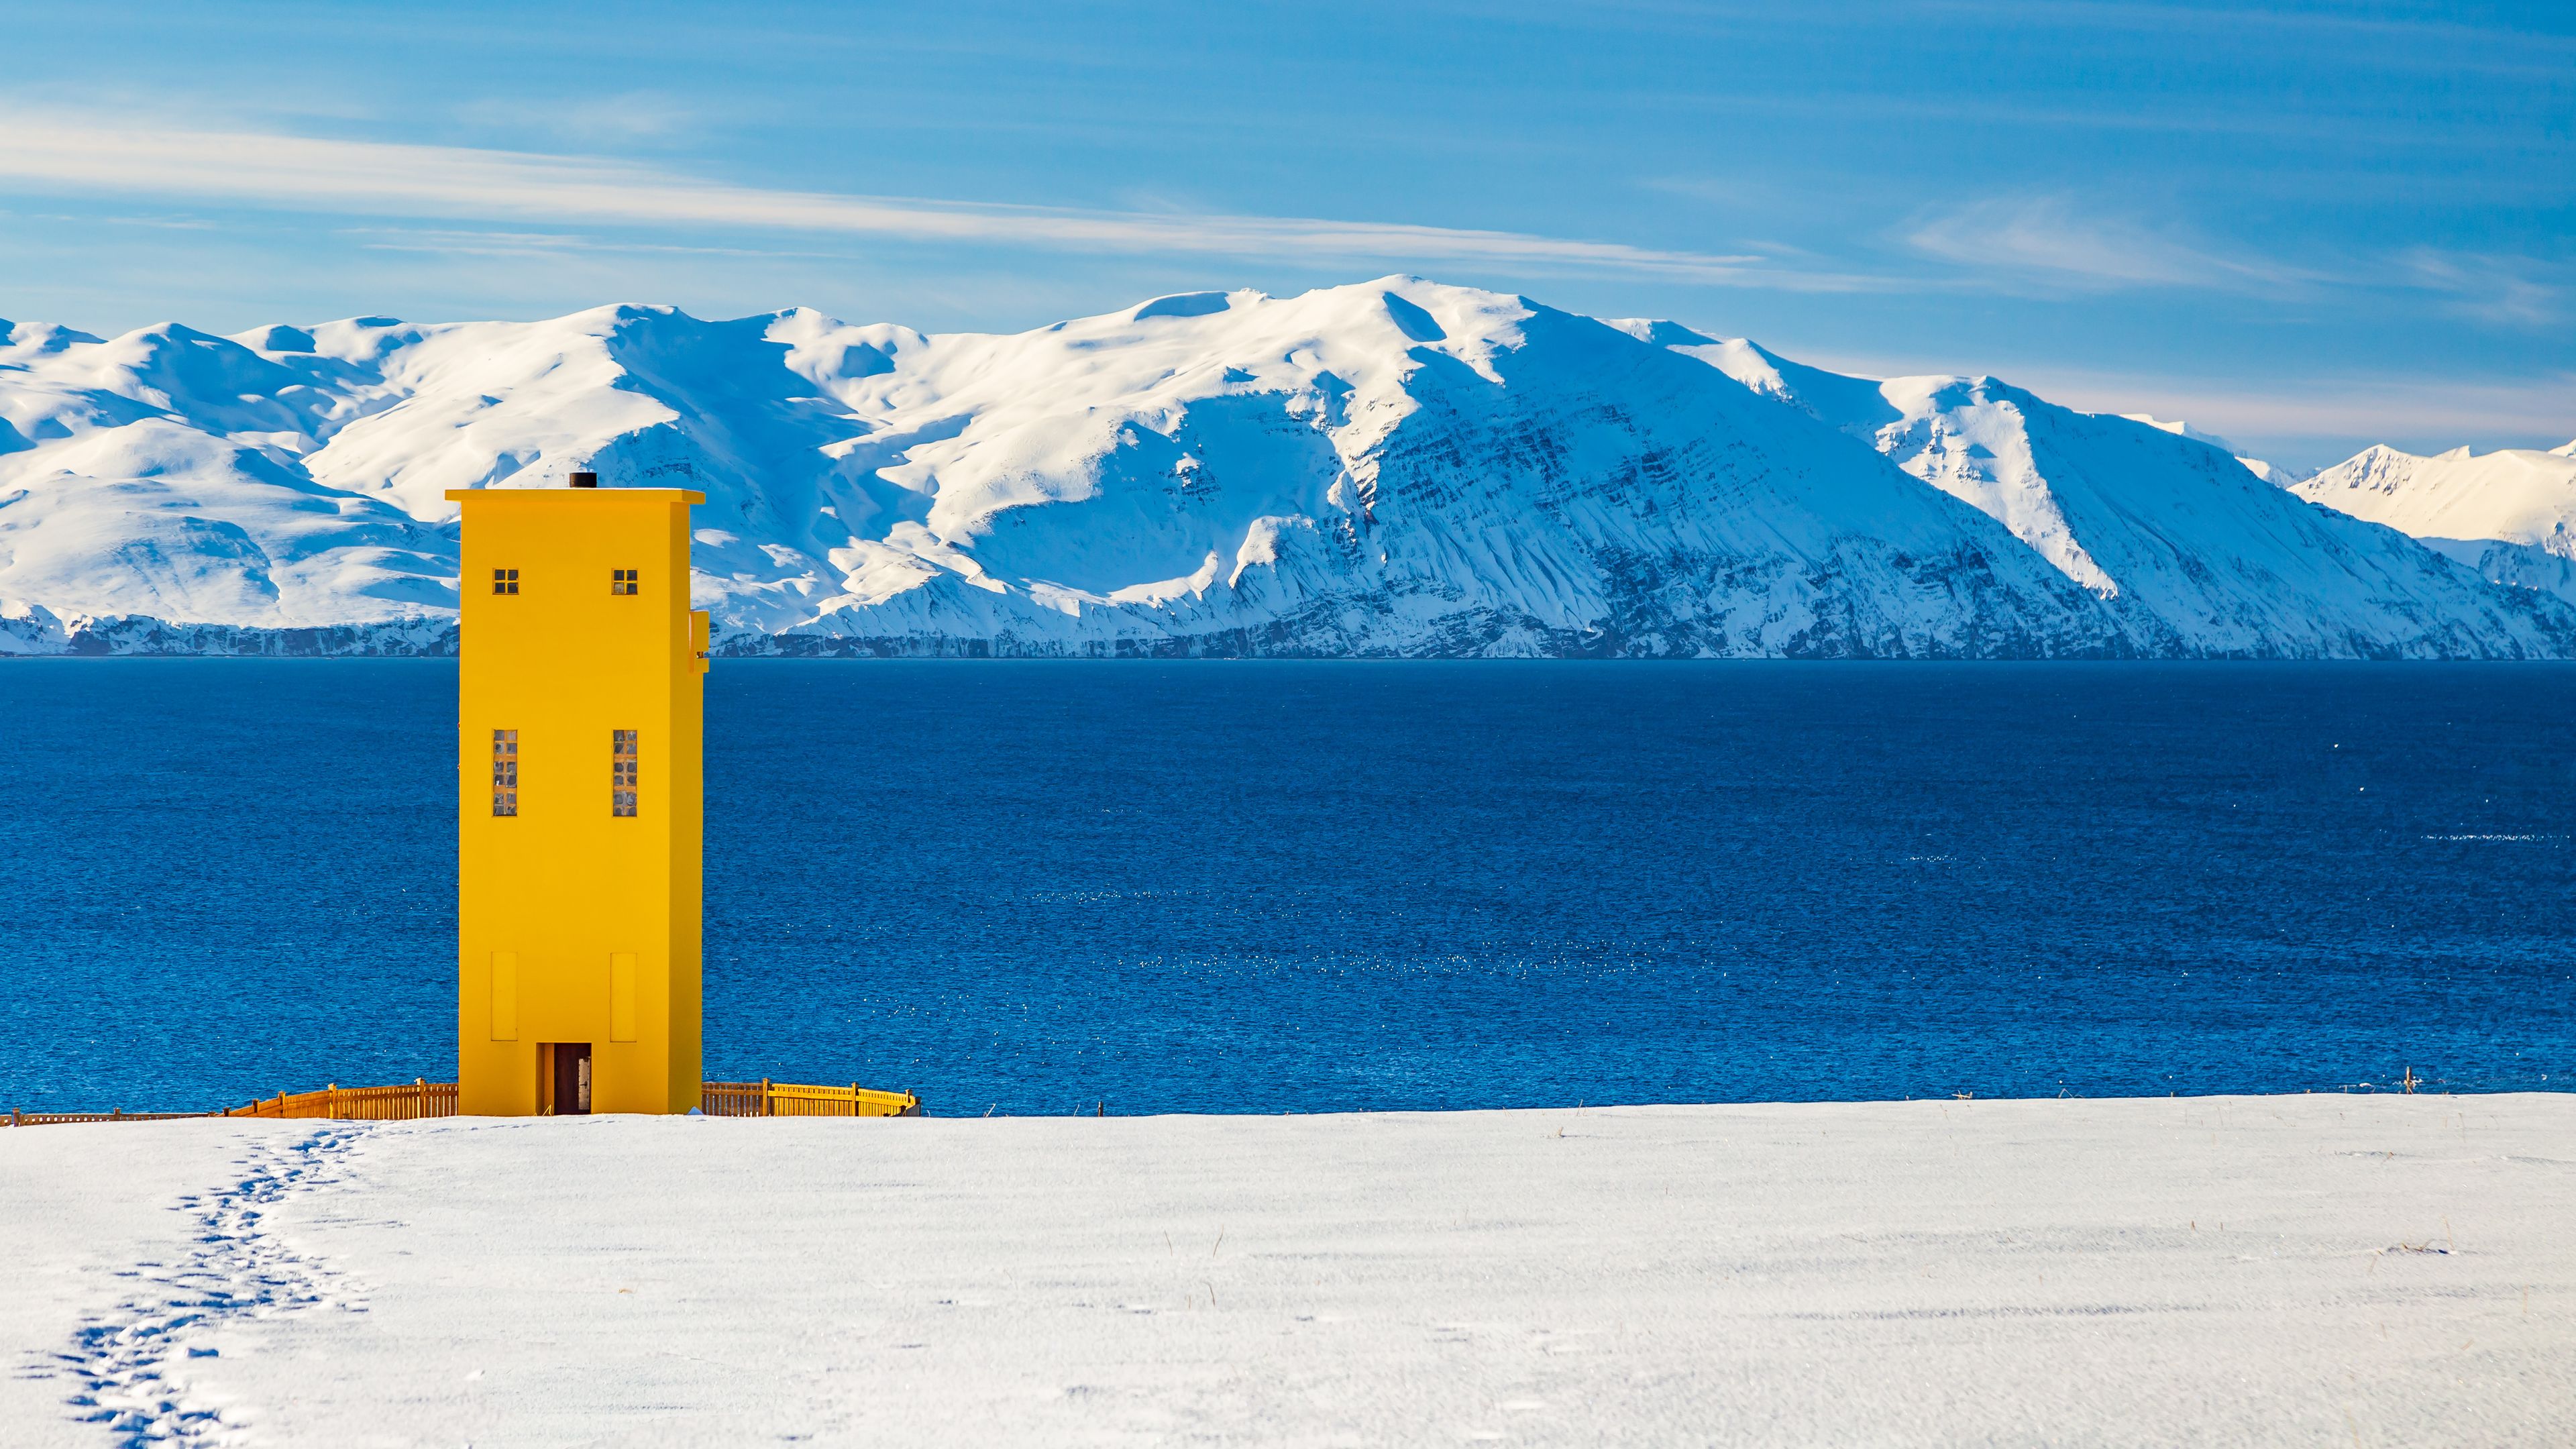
(1393, 468)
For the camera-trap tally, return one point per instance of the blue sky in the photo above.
(2308, 227)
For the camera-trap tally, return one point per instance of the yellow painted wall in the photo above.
(573, 924)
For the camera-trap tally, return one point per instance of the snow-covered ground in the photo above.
(2373, 1270)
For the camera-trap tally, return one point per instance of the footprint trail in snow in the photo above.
(130, 1363)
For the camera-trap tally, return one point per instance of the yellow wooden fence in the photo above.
(399, 1103)
(40, 1119)
(419, 1098)
(766, 1098)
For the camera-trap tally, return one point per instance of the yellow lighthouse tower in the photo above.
(579, 728)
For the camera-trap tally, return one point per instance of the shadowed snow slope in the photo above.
(2182, 542)
(1396, 467)
(2510, 514)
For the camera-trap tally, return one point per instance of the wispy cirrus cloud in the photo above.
(2059, 242)
(344, 177)
(156, 223)
(2049, 244)
(2301, 420)
(588, 120)
(444, 241)
(2508, 290)
(2312, 421)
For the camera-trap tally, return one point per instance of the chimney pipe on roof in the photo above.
(585, 480)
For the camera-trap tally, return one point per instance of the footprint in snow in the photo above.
(124, 1361)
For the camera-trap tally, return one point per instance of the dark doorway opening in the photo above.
(572, 1078)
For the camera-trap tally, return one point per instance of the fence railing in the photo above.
(43, 1119)
(399, 1103)
(766, 1098)
(405, 1101)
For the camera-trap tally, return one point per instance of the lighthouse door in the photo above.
(572, 1078)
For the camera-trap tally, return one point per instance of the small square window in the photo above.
(505, 581)
(622, 581)
(621, 772)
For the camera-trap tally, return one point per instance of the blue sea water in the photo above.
(1310, 886)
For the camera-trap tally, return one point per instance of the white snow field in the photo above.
(1396, 467)
(2329, 1270)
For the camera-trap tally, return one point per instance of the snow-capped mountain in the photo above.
(2272, 473)
(1397, 467)
(2179, 539)
(161, 474)
(2509, 514)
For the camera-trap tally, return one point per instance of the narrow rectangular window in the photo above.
(621, 996)
(621, 763)
(622, 581)
(505, 996)
(505, 772)
(505, 581)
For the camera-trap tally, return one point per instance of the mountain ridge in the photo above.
(2509, 514)
(1392, 468)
